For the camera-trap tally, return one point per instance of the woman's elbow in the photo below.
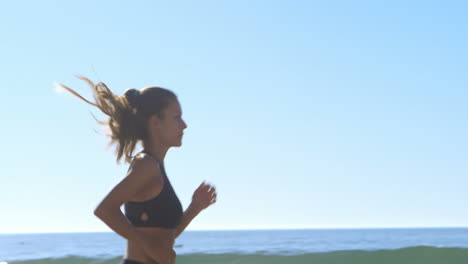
(105, 211)
(99, 211)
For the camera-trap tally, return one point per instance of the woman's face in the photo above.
(171, 128)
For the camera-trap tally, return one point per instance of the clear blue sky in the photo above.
(303, 114)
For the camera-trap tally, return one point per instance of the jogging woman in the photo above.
(153, 214)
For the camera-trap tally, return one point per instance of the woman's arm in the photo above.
(204, 196)
(190, 213)
(140, 175)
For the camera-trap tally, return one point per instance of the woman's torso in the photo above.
(160, 236)
(154, 214)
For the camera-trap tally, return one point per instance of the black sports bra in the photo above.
(164, 210)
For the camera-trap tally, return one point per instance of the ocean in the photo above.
(324, 246)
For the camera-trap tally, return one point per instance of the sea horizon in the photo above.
(252, 229)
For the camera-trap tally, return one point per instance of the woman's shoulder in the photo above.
(144, 165)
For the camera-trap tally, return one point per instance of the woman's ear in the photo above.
(154, 121)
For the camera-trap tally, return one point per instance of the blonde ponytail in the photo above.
(128, 114)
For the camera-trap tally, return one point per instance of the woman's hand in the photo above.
(204, 196)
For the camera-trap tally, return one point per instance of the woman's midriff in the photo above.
(161, 236)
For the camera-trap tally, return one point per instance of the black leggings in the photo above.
(129, 261)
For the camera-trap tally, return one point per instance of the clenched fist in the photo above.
(204, 196)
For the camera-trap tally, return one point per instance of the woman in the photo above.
(153, 214)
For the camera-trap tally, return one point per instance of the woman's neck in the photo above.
(156, 150)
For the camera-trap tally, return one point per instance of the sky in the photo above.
(303, 114)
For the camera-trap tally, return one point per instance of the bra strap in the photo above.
(149, 154)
